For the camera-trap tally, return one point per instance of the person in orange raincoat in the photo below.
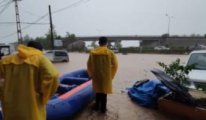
(102, 66)
(28, 80)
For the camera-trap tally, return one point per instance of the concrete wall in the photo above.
(175, 42)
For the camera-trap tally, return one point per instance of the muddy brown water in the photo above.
(132, 67)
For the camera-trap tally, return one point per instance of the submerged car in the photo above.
(57, 55)
(197, 76)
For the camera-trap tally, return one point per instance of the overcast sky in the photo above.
(105, 17)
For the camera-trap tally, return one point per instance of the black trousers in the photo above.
(101, 100)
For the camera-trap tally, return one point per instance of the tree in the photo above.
(26, 39)
(45, 42)
(164, 36)
(48, 34)
(195, 35)
(48, 37)
(58, 37)
(70, 37)
(93, 44)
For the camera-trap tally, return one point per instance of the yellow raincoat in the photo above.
(102, 66)
(30, 79)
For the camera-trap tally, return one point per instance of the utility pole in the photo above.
(169, 20)
(51, 28)
(18, 24)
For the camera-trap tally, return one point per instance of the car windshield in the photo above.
(59, 53)
(199, 59)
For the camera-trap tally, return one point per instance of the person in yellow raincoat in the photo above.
(28, 80)
(102, 66)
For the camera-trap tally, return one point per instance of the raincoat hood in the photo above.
(25, 54)
(100, 51)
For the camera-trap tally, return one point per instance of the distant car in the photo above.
(161, 48)
(115, 50)
(198, 75)
(57, 55)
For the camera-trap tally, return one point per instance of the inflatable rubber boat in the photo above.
(74, 92)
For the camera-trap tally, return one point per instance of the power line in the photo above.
(11, 34)
(30, 13)
(69, 6)
(3, 5)
(6, 6)
(42, 17)
(33, 23)
(2, 1)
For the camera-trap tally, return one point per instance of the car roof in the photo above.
(198, 51)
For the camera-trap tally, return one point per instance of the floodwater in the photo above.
(132, 67)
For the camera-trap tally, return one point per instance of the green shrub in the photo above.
(177, 71)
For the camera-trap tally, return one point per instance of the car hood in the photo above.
(197, 76)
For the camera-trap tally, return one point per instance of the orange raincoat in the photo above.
(102, 66)
(29, 80)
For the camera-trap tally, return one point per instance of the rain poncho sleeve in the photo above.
(49, 80)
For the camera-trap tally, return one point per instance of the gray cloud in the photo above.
(108, 17)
